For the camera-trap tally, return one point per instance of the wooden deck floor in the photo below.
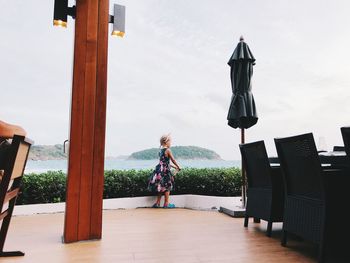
(155, 235)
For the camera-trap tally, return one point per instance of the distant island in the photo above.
(179, 152)
(47, 152)
(55, 152)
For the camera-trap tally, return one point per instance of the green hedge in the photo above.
(50, 187)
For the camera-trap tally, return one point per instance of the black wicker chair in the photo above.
(338, 148)
(345, 132)
(313, 196)
(265, 193)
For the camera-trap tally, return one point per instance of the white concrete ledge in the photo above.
(197, 202)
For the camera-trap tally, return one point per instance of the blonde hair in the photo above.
(164, 139)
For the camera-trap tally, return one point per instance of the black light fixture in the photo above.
(61, 12)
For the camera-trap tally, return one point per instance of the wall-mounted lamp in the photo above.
(61, 12)
(118, 21)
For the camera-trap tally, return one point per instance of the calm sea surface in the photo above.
(55, 165)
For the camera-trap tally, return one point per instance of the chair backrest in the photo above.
(301, 166)
(10, 183)
(257, 164)
(337, 148)
(345, 132)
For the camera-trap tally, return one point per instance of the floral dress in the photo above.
(161, 179)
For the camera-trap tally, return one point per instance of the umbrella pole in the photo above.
(244, 184)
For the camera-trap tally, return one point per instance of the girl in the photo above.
(162, 179)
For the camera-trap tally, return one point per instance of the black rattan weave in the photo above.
(305, 202)
(345, 132)
(265, 196)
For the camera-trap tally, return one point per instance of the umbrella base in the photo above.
(236, 211)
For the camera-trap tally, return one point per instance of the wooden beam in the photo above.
(83, 218)
(100, 118)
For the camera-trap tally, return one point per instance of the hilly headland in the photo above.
(179, 152)
(56, 152)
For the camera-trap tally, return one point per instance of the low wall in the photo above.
(197, 202)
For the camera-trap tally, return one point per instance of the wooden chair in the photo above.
(10, 185)
(314, 197)
(265, 193)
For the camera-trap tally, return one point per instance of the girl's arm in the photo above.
(170, 155)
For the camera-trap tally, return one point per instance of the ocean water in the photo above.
(56, 165)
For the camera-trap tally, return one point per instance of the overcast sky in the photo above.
(170, 74)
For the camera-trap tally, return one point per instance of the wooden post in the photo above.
(83, 217)
(244, 180)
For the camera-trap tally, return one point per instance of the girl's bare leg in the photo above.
(166, 198)
(159, 197)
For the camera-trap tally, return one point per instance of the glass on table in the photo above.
(322, 145)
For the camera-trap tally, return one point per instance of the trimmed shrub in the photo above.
(209, 181)
(50, 187)
(126, 183)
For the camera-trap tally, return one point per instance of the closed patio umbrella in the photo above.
(242, 112)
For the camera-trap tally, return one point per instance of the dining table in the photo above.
(331, 159)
